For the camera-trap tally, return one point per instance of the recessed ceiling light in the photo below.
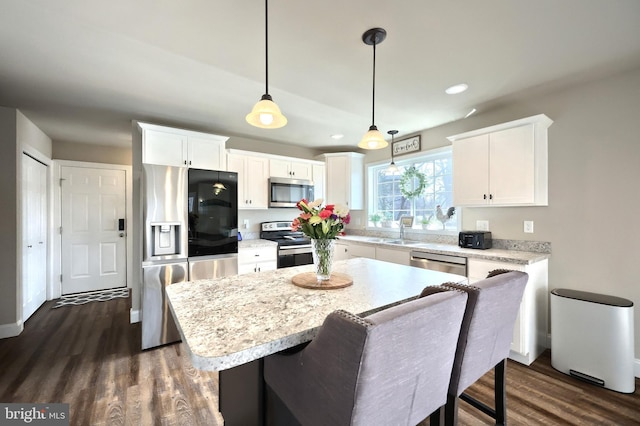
(469, 113)
(337, 136)
(455, 89)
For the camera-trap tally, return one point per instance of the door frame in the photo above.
(56, 273)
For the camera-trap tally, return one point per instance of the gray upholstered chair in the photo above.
(390, 368)
(485, 340)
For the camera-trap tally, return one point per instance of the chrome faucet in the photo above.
(405, 221)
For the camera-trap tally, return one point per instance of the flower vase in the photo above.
(323, 257)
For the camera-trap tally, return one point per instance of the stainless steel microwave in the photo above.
(284, 192)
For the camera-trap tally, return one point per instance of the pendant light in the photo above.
(266, 114)
(392, 169)
(373, 139)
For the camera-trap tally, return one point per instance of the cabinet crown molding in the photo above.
(540, 120)
(184, 132)
(271, 156)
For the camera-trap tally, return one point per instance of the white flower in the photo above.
(316, 203)
(341, 210)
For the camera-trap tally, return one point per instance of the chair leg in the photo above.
(435, 419)
(500, 392)
(451, 411)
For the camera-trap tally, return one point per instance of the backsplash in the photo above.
(519, 245)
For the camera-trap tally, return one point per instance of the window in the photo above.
(430, 177)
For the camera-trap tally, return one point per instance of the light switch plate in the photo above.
(528, 226)
(482, 225)
(246, 224)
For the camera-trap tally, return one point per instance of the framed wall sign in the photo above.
(406, 146)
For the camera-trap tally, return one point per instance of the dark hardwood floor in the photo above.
(89, 356)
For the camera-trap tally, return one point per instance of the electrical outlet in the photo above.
(246, 224)
(528, 226)
(482, 225)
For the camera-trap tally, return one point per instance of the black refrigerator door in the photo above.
(213, 212)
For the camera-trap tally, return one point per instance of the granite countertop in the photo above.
(246, 244)
(230, 321)
(498, 255)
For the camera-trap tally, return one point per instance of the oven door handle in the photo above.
(301, 249)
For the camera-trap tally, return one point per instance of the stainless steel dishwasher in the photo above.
(439, 262)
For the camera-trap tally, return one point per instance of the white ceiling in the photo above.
(83, 69)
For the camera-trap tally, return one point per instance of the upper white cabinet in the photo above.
(253, 178)
(502, 165)
(168, 146)
(290, 169)
(345, 179)
(318, 175)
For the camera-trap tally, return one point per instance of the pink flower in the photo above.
(295, 224)
(325, 213)
(347, 219)
(305, 216)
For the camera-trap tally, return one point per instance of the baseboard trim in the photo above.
(11, 330)
(134, 316)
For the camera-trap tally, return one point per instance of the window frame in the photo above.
(371, 192)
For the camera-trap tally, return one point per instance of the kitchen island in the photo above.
(229, 324)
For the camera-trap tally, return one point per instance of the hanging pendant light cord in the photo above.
(373, 108)
(266, 45)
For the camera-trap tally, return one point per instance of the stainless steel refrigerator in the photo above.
(165, 256)
(190, 233)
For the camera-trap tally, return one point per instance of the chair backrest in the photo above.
(390, 368)
(487, 328)
(393, 385)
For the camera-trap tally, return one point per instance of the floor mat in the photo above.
(94, 296)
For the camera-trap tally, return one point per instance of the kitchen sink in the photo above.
(402, 242)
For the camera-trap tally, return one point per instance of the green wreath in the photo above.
(406, 183)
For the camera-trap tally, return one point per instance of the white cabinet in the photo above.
(345, 179)
(257, 259)
(290, 169)
(253, 177)
(503, 165)
(182, 148)
(349, 249)
(399, 256)
(530, 329)
(318, 177)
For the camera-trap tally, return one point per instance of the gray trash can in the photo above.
(592, 338)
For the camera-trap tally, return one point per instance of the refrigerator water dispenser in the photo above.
(165, 238)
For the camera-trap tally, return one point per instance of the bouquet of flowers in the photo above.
(320, 223)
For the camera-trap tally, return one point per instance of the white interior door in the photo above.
(93, 248)
(34, 235)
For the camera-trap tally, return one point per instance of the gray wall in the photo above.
(8, 218)
(91, 153)
(592, 220)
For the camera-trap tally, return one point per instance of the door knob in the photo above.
(121, 234)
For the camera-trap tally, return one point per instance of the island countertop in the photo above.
(230, 321)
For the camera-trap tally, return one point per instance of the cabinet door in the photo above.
(338, 180)
(205, 154)
(300, 170)
(165, 149)
(361, 250)
(401, 257)
(512, 167)
(318, 178)
(279, 168)
(471, 171)
(341, 251)
(256, 182)
(236, 163)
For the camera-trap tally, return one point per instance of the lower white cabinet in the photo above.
(399, 256)
(530, 329)
(257, 259)
(348, 250)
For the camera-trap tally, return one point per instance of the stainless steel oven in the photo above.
(294, 249)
